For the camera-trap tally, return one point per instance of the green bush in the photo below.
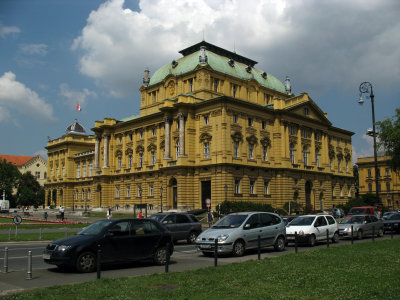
(228, 207)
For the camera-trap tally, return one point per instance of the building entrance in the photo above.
(205, 192)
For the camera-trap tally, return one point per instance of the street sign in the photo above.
(17, 220)
(208, 202)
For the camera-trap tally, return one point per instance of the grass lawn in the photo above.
(359, 271)
(46, 236)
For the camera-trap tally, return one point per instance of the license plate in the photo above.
(205, 246)
(46, 256)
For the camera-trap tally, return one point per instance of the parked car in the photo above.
(388, 213)
(239, 232)
(393, 221)
(336, 212)
(120, 241)
(363, 225)
(312, 228)
(362, 210)
(183, 226)
(288, 219)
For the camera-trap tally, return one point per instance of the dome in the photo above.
(223, 61)
(75, 128)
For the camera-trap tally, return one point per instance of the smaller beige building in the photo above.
(388, 180)
(37, 165)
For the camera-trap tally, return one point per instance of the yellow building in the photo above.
(388, 181)
(211, 125)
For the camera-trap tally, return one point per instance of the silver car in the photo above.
(363, 225)
(238, 232)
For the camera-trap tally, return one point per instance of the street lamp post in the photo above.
(161, 190)
(366, 87)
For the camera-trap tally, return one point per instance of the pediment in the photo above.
(308, 109)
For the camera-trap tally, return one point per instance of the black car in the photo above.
(183, 226)
(392, 223)
(120, 241)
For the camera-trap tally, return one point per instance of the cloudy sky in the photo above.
(57, 53)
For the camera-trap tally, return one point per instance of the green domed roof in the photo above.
(220, 64)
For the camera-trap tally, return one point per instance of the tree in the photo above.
(9, 177)
(29, 191)
(389, 139)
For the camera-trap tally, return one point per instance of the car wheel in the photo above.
(160, 256)
(192, 237)
(359, 234)
(380, 232)
(86, 262)
(311, 240)
(280, 244)
(238, 248)
(335, 238)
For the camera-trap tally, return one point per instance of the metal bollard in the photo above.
(327, 238)
(216, 253)
(98, 262)
(167, 261)
(295, 242)
(259, 247)
(373, 233)
(29, 273)
(352, 235)
(5, 259)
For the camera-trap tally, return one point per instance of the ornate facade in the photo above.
(388, 181)
(213, 126)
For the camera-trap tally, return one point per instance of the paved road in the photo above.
(185, 257)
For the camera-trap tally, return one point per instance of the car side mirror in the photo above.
(247, 226)
(165, 222)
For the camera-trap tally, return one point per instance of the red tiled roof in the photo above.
(17, 160)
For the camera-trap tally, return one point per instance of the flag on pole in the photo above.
(78, 107)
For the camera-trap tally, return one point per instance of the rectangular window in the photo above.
(84, 169)
(141, 134)
(117, 192)
(151, 190)
(120, 139)
(78, 171)
(250, 122)
(251, 151)
(140, 191)
(330, 163)
(388, 186)
(266, 189)
(206, 150)
(216, 82)
(378, 172)
(267, 98)
(369, 172)
(252, 187)
(237, 186)
(153, 132)
(304, 133)
(141, 160)
(90, 168)
(130, 161)
(317, 157)
(206, 120)
(128, 191)
(236, 149)
(387, 172)
(130, 136)
(153, 158)
(265, 153)
(234, 90)
(235, 118)
(154, 96)
(347, 165)
(317, 136)
(291, 130)
(190, 85)
(292, 153)
(263, 124)
(119, 163)
(305, 156)
(37, 175)
(339, 162)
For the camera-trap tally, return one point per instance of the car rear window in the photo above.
(330, 220)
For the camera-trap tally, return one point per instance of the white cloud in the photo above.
(14, 95)
(5, 30)
(34, 49)
(319, 44)
(73, 97)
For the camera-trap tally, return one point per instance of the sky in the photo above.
(55, 54)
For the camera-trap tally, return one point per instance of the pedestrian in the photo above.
(61, 211)
(45, 215)
(210, 218)
(109, 213)
(140, 215)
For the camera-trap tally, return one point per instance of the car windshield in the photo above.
(95, 228)
(353, 220)
(302, 221)
(157, 217)
(230, 221)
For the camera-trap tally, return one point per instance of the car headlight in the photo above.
(301, 232)
(222, 237)
(198, 239)
(63, 248)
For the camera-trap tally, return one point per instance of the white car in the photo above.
(312, 228)
(238, 232)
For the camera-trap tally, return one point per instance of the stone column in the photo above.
(167, 138)
(181, 135)
(105, 159)
(97, 152)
